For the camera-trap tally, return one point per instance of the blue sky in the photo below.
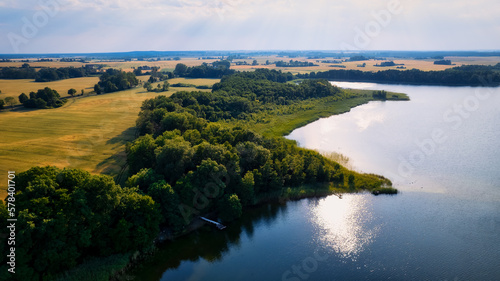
(65, 26)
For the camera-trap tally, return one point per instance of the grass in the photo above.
(283, 120)
(87, 132)
(14, 87)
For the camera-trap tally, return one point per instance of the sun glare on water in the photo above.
(344, 224)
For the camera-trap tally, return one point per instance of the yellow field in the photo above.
(88, 133)
(169, 65)
(14, 87)
(425, 65)
(124, 65)
(196, 82)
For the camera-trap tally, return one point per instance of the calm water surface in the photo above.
(441, 149)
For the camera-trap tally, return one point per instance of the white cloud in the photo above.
(120, 25)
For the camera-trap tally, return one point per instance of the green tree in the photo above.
(68, 216)
(163, 194)
(255, 62)
(97, 89)
(2, 103)
(180, 69)
(230, 208)
(141, 154)
(148, 86)
(144, 179)
(138, 71)
(245, 190)
(23, 98)
(10, 101)
(173, 158)
(165, 86)
(72, 92)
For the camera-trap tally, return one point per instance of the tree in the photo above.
(141, 154)
(2, 103)
(166, 86)
(148, 86)
(10, 101)
(83, 92)
(138, 71)
(72, 92)
(255, 62)
(97, 89)
(230, 208)
(68, 216)
(180, 69)
(23, 98)
(164, 195)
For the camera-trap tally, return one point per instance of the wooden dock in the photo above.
(219, 225)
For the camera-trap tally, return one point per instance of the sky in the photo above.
(87, 26)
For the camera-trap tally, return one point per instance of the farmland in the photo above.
(14, 87)
(87, 132)
(90, 132)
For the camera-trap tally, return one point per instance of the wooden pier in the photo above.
(219, 225)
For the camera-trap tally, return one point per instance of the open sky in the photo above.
(66, 26)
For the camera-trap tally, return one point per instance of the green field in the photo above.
(87, 132)
(284, 120)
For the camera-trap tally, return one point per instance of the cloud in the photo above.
(121, 25)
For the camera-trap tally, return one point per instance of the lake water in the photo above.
(441, 149)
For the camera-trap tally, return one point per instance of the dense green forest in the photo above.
(466, 75)
(67, 217)
(195, 155)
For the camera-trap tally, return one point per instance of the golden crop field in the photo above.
(196, 82)
(424, 64)
(14, 87)
(87, 132)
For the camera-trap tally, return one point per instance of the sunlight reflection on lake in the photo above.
(344, 225)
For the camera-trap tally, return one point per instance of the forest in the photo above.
(466, 75)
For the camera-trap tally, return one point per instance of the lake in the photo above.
(441, 150)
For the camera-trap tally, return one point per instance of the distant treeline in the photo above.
(46, 74)
(293, 63)
(466, 75)
(215, 70)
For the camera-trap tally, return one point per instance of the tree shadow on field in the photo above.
(124, 137)
(116, 165)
